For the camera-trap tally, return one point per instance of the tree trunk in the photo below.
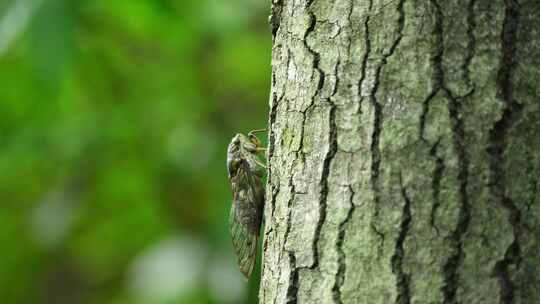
(404, 152)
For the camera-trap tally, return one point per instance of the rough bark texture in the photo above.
(404, 154)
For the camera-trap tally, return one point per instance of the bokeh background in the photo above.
(115, 116)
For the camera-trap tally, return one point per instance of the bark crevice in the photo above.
(402, 279)
(340, 274)
(316, 56)
(333, 147)
(378, 119)
(272, 120)
(292, 288)
(533, 183)
(437, 176)
(452, 264)
(497, 146)
(365, 58)
(451, 267)
(471, 44)
(332, 138)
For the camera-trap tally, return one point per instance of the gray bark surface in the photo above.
(404, 152)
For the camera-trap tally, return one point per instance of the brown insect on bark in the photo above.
(245, 173)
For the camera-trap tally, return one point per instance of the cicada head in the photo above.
(235, 153)
(241, 148)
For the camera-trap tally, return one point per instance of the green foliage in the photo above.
(114, 122)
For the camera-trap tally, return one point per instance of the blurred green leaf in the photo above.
(114, 122)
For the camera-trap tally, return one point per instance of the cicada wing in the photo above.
(245, 217)
(244, 241)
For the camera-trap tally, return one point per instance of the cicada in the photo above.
(245, 175)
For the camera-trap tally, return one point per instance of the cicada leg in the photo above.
(255, 140)
(260, 163)
(258, 144)
(252, 132)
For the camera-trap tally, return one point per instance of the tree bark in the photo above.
(404, 152)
